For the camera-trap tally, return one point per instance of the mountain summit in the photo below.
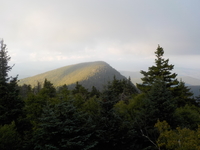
(88, 74)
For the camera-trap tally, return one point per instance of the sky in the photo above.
(43, 35)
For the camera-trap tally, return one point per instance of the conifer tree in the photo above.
(161, 70)
(10, 103)
(63, 126)
(162, 105)
(48, 89)
(183, 95)
(80, 90)
(94, 92)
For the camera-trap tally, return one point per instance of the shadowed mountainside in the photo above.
(88, 74)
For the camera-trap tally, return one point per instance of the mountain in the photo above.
(88, 74)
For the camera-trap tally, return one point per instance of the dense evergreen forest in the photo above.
(161, 114)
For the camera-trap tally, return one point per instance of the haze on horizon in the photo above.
(48, 34)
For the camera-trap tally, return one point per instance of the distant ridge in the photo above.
(195, 89)
(88, 74)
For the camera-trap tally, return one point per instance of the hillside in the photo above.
(88, 74)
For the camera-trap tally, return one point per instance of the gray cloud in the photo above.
(73, 31)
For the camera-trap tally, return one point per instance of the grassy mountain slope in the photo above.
(88, 74)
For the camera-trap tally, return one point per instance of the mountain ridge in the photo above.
(89, 74)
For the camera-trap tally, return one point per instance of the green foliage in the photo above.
(117, 118)
(94, 92)
(160, 106)
(134, 109)
(187, 117)
(37, 88)
(24, 91)
(161, 70)
(132, 121)
(62, 126)
(36, 102)
(4, 67)
(144, 110)
(79, 89)
(63, 92)
(183, 95)
(178, 139)
(33, 107)
(9, 137)
(10, 103)
(118, 90)
(48, 89)
(162, 103)
(111, 131)
(92, 107)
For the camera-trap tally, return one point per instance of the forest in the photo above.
(160, 114)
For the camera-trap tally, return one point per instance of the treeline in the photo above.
(161, 114)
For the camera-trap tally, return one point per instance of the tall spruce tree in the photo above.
(161, 70)
(10, 104)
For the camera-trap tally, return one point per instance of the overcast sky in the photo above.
(42, 35)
